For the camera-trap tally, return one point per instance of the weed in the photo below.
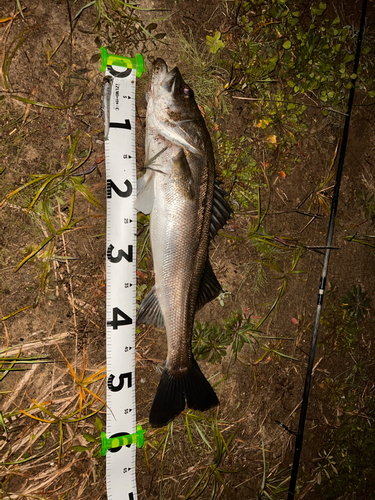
(49, 190)
(342, 318)
(206, 74)
(272, 484)
(363, 240)
(355, 304)
(214, 472)
(212, 341)
(366, 201)
(94, 443)
(123, 26)
(236, 163)
(286, 41)
(17, 363)
(214, 42)
(347, 471)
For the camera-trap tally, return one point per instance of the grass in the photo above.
(343, 467)
(47, 192)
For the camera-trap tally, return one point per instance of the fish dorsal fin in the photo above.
(221, 210)
(146, 195)
(149, 311)
(209, 288)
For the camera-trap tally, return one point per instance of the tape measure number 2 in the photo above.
(120, 152)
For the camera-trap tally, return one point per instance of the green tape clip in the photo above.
(115, 442)
(136, 62)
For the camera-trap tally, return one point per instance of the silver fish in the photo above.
(187, 207)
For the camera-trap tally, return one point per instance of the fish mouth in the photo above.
(161, 76)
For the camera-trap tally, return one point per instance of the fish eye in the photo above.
(186, 91)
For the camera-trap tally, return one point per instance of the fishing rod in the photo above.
(323, 278)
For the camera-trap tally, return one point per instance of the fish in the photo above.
(187, 207)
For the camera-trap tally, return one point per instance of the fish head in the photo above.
(172, 110)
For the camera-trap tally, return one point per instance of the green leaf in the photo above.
(287, 45)
(98, 424)
(80, 448)
(89, 437)
(214, 42)
(371, 94)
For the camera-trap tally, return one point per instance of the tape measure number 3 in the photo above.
(119, 132)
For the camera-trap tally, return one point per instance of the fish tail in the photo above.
(172, 392)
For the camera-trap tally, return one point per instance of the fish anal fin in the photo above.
(209, 288)
(182, 176)
(191, 388)
(149, 311)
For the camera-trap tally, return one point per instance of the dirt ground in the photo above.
(65, 322)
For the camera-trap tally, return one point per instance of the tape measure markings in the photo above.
(120, 151)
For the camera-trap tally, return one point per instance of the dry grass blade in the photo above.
(11, 51)
(82, 382)
(51, 54)
(24, 186)
(44, 104)
(16, 312)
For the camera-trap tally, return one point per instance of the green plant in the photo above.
(212, 341)
(94, 443)
(367, 202)
(298, 43)
(214, 42)
(355, 303)
(272, 484)
(123, 25)
(236, 164)
(204, 71)
(363, 240)
(214, 472)
(11, 363)
(326, 466)
(348, 471)
(47, 192)
(343, 317)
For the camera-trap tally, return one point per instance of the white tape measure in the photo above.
(120, 152)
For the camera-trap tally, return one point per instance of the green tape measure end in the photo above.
(136, 62)
(115, 442)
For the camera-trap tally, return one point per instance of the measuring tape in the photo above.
(119, 132)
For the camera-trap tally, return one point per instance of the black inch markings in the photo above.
(126, 125)
(115, 323)
(121, 246)
(120, 385)
(121, 254)
(124, 194)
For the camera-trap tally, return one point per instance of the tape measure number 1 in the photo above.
(119, 120)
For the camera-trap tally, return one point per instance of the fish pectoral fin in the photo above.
(221, 210)
(209, 288)
(149, 311)
(181, 176)
(146, 194)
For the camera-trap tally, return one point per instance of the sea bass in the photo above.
(187, 207)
